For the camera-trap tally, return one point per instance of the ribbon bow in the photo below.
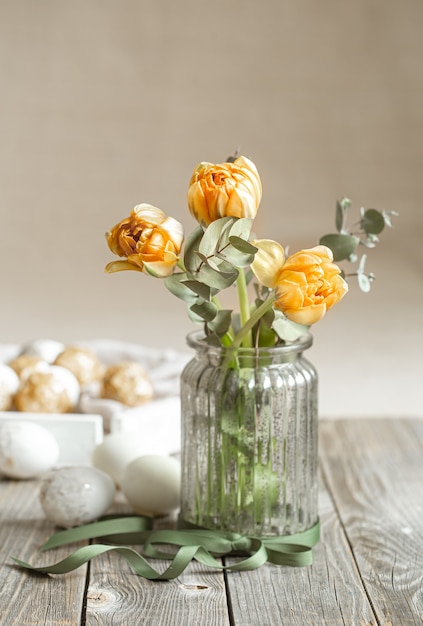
(190, 543)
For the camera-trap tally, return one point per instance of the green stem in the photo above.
(244, 309)
(258, 314)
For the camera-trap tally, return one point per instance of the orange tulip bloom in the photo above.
(224, 190)
(150, 241)
(309, 284)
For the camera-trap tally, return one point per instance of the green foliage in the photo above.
(372, 222)
(342, 246)
(345, 243)
(285, 329)
(212, 261)
(214, 258)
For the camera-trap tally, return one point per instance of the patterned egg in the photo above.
(72, 496)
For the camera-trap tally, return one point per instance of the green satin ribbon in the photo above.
(190, 543)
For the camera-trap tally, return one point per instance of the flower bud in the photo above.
(308, 285)
(224, 190)
(268, 261)
(149, 240)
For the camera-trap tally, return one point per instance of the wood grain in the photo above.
(328, 592)
(117, 595)
(374, 469)
(29, 598)
(367, 570)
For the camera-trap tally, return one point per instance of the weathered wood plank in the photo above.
(328, 592)
(28, 598)
(374, 468)
(117, 595)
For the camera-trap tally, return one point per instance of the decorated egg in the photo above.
(9, 383)
(117, 450)
(45, 349)
(72, 496)
(27, 449)
(82, 362)
(55, 390)
(152, 484)
(26, 364)
(128, 383)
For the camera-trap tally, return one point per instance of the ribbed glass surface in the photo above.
(249, 439)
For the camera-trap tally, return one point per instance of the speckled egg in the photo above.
(128, 383)
(26, 364)
(73, 496)
(55, 390)
(82, 362)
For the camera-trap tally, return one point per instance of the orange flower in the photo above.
(309, 284)
(150, 241)
(224, 190)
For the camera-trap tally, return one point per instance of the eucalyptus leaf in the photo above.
(287, 330)
(213, 340)
(387, 217)
(206, 310)
(198, 288)
(373, 221)
(176, 285)
(225, 234)
(225, 266)
(216, 279)
(221, 322)
(192, 243)
(362, 264)
(194, 317)
(212, 235)
(236, 258)
(364, 282)
(340, 217)
(242, 228)
(242, 245)
(342, 246)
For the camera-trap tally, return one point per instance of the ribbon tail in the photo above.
(122, 529)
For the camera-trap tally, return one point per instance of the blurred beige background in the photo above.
(107, 104)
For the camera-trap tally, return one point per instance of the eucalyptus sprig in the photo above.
(345, 243)
(214, 259)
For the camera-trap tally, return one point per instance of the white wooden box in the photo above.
(76, 434)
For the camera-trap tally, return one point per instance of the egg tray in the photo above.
(76, 434)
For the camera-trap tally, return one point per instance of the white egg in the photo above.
(72, 496)
(116, 450)
(26, 449)
(46, 349)
(152, 484)
(9, 383)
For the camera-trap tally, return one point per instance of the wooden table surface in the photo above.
(367, 570)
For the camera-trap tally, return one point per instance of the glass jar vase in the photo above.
(249, 438)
